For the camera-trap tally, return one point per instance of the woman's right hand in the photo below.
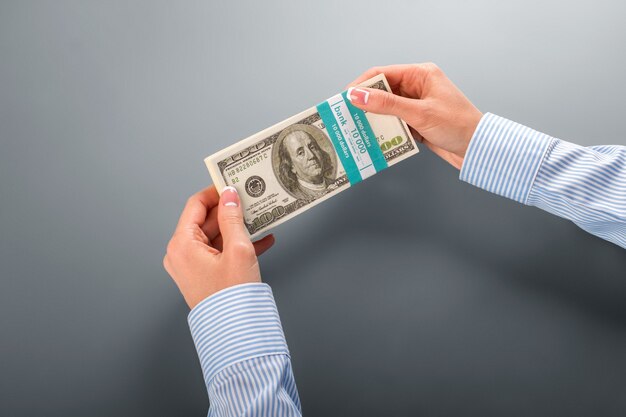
(443, 118)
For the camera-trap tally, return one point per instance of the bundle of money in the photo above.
(296, 164)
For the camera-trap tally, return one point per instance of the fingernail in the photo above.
(229, 197)
(358, 95)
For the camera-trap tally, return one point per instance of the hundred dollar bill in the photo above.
(296, 164)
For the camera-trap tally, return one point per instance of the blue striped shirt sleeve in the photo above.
(586, 185)
(243, 353)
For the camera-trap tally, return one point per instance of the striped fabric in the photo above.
(262, 386)
(243, 353)
(586, 185)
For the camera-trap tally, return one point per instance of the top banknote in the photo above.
(288, 168)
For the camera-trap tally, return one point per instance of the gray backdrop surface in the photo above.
(466, 303)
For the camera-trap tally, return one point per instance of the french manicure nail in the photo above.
(358, 95)
(230, 198)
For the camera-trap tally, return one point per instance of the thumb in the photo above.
(382, 102)
(230, 220)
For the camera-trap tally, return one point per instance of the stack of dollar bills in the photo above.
(290, 167)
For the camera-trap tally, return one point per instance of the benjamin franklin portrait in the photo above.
(304, 161)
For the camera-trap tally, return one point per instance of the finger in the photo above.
(217, 242)
(230, 220)
(195, 211)
(394, 74)
(262, 245)
(416, 135)
(381, 102)
(210, 226)
(407, 80)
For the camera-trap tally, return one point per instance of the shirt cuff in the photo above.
(503, 157)
(236, 324)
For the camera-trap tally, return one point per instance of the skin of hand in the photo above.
(438, 113)
(211, 249)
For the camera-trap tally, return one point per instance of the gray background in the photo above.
(459, 302)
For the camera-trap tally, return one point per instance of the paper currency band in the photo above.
(353, 138)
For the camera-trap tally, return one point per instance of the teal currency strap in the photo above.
(367, 134)
(352, 137)
(339, 142)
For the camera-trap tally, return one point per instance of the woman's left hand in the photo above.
(210, 249)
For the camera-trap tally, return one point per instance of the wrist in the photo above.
(473, 120)
(455, 155)
(195, 297)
